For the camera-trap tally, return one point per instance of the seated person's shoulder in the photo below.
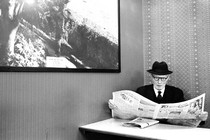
(143, 88)
(176, 93)
(174, 88)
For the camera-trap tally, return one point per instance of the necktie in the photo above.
(159, 95)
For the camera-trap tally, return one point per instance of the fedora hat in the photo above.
(159, 68)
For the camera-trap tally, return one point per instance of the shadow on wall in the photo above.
(136, 82)
(5, 122)
(57, 133)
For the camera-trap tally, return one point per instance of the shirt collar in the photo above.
(156, 91)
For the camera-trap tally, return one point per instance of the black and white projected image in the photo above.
(59, 35)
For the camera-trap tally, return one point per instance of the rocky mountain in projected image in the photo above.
(84, 33)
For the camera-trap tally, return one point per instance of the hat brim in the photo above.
(159, 72)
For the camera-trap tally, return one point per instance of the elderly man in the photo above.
(160, 92)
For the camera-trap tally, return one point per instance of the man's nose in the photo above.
(159, 81)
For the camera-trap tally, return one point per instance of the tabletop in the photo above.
(158, 131)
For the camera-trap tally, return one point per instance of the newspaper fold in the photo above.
(141, 122)
(131, 105)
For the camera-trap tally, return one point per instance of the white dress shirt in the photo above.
(156, 91)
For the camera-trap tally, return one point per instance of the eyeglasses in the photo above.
(162, 79)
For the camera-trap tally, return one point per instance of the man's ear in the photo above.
(169, 77)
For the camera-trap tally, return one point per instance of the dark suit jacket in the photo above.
(171, 94)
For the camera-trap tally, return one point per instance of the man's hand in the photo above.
(112, 105)
(120, 113)
(202, 116)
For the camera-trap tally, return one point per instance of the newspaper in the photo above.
(131, 105)
(141, 122)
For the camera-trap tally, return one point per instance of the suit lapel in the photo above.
(166, 95)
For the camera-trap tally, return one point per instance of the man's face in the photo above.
(159, 81)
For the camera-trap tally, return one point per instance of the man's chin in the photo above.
(158, 87)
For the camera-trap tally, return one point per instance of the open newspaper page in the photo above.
(183, 110)
(128, 103)
(131, 105)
